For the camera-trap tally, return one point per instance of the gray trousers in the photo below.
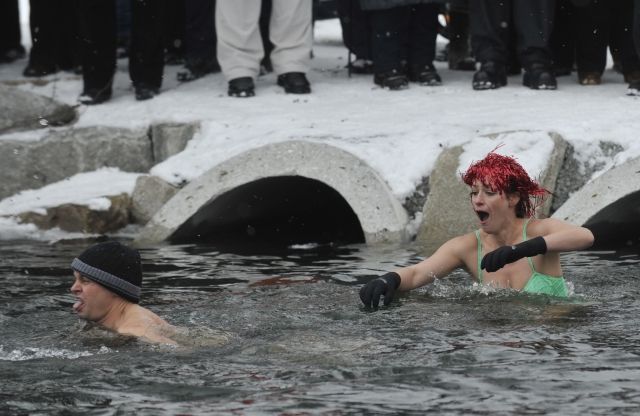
(240, 47)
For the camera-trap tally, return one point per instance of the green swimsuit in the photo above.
(538, 282)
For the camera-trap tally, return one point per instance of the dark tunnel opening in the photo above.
(273, 213)
(617, 227)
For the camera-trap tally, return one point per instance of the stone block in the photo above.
(149, 195)
(60, 154)
(23, 110)
(170, 139)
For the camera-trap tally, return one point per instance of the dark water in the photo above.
(285, 334)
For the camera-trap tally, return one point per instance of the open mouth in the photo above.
(483, 215)
(78, 306)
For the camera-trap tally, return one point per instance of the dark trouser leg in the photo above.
(146, 57)
(200, 35)
(97, 42)
(563, 38)
(174, 30)
(423, 29)
(636, 26)
(592, 36)
(622, 32)
(356, 30)
(487, 34)
(43, 24)
(387, 37)
(533, 21)
(9, 26)
(265, 17)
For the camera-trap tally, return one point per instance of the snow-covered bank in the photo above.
(399, 134)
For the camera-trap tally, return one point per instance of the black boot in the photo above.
(490, 76)
(539, 77)
(393, 80)
(426, 75)
(294, 83)
(458, 54)
(145, 92)
(241, 87)
(93, 96)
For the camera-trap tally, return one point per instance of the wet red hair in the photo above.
(505, 175)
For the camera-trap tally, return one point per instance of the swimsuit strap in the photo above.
(479, 255)
(524, 238)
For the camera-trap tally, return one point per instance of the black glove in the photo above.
(384, 285)
(508, 254)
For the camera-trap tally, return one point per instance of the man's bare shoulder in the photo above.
(146, 324)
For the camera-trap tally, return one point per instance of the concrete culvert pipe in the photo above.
(276, 211)
(288, 192)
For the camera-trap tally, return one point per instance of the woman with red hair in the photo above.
(511, 248)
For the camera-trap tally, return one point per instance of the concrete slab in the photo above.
(381, 215)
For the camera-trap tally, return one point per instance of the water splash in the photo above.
(34, 353)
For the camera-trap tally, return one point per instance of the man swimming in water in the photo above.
(512, 249)
(108, 277)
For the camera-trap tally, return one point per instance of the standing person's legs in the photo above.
(146, 56)
(634, 88)
(97, 21)
(200, 40)
(487, 19)
(563, 38)
(636, 25)
(291, 33)
(356, 34)
(239, 44)
(388, 27)
(10, 39)
(534, 24)
(44, 32)
(423, 30)
(593, 22)
(622, 32)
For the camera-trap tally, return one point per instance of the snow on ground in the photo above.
(398, 133)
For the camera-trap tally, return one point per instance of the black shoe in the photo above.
(361, 66)
(12, 54)
(490, 76)
(426, 75)
(92, 96)
(144, 92)
(589, 78)
(539, 77)
(294, 83)
(197, 68)
(39, 70)
(465, 63)
(634, 89)
(241, 87)
(393, 80)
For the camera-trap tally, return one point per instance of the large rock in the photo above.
(170, 139)
(61, 154)
(149, 195)
(447, 212)
(23, 110)
(80, 218)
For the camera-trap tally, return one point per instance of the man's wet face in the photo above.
(92, 299)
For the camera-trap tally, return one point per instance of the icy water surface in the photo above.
(286, 334)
